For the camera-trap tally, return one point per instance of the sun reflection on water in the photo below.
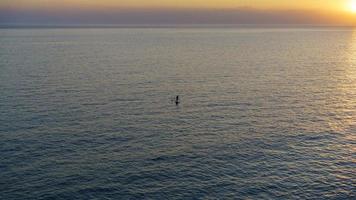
(344, 98)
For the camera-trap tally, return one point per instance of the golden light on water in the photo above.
(343, 117)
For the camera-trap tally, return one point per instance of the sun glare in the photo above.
(352, 6)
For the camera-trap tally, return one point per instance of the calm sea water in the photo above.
(265, 113)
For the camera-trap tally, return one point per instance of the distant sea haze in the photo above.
(175, 16)
(264, 112)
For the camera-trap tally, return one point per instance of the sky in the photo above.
(341, 12)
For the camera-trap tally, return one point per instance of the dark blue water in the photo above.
(264, 113)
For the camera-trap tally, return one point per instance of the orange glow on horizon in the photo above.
(330, 5)
(334, 11)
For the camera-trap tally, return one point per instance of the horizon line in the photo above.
(157, 25)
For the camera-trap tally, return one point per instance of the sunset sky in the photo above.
(182, 11)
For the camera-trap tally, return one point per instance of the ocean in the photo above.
(264, 113)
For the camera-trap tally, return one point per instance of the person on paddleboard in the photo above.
(177, 100)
